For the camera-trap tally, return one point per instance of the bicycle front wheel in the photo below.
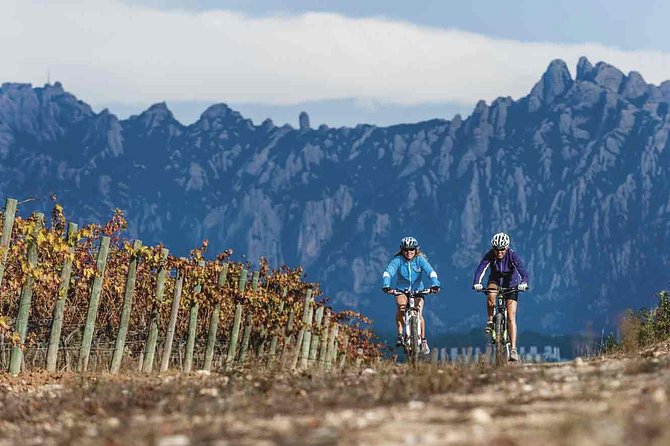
(500, 344)
(414, 339)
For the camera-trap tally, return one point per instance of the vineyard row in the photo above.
(61, 285)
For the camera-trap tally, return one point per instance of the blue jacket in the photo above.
(507, 272)
(409, 273)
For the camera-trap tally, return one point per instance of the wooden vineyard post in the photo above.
(288, 338)
(237, 320)
(314, 344)
(331, 353)
(345, 350)
(214, 320)
(246, 337)
(323, 348)
(21, 326)
(61, 297)
(94, 301)
(433, 355)
(273, 340)
(306, 310)
(169, 334)
(7, 226)
(264, 330)
(131, 278)
(193, 322)
(307, 329)
(149, 352)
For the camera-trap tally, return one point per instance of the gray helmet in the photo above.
(409, 243)
(500, 241)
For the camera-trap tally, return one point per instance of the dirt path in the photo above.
(612, 401)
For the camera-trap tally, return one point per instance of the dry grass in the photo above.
(602, 401)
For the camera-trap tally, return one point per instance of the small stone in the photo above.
(368, 371)
(203, 373)
(174, 440)
(416, 405)
(52, 387)
(578, 361)
(480, 416)
(210, 391)
(659, 396)
(113, 422)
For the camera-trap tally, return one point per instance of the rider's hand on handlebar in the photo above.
(386, 289)
(523, 286)
(477, 287)
(434, 289)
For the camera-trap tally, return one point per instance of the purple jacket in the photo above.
(507, 272)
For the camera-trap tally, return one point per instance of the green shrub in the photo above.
(644, 327)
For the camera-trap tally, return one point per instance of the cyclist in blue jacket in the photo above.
(507, 271)
(410, 267)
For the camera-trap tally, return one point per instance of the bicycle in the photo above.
(499, 335)
(411, 326)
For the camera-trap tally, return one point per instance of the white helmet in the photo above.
(500, 241)
(409, 243)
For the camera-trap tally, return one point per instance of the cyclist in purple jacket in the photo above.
(507, 271)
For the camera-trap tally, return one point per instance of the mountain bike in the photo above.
(499, 336)
(411, 323)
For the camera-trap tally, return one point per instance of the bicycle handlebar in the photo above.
(501, 290)
(397, 291)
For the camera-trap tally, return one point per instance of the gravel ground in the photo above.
(600, 401)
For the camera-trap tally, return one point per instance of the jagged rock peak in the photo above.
(303, 120)
(267, 124)
(8, 86)
(584, 67)
(157, 115)
(159, 110)
(479, 115)
(634, 86)
(221, 111)
(608, 76)
(554, 82)
(602, 74)
(159, 107)
(481, 106)
(55, 88)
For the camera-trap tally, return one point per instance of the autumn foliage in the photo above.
(200, 285)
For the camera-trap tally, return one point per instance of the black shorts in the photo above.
(509, 296)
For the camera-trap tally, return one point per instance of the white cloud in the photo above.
(108, 51)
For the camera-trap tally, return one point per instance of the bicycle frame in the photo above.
(411, 324)
(500, 336)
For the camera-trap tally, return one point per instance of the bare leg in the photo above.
(401, 304)
(491, 300)
(511, 321)
(419, 304)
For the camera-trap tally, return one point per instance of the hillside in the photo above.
(576, 172)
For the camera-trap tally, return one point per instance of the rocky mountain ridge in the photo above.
(575, 172)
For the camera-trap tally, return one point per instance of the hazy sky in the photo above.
(343, 62)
